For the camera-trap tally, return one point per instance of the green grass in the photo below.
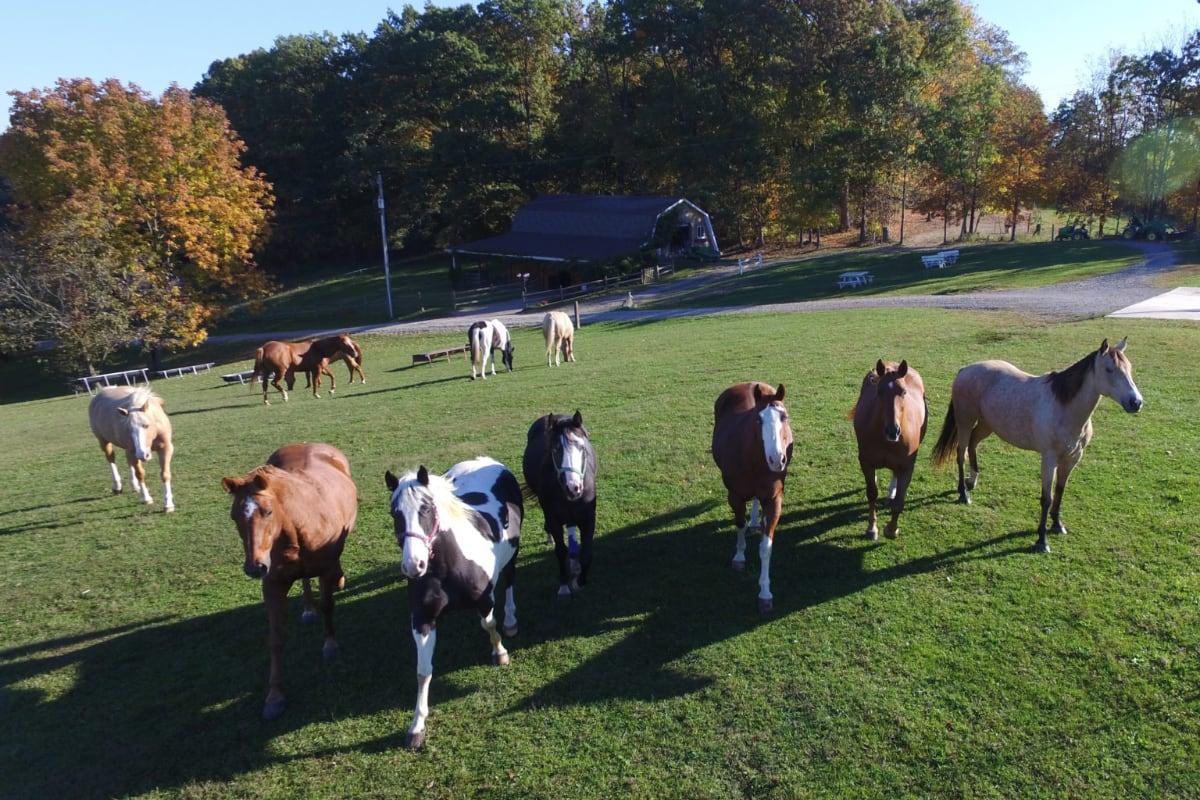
(1187, 271)
(950, 662)
(999, 266)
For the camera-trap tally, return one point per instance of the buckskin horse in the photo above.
(559, 466)
(294, 515)
(482, 339)
(135, 420)
(460, 533)
(752, 446)
(1050, 414)
(889, 423)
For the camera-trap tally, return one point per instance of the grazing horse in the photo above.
(1050, 414)
(134, 420)
(482, 339)
(560, 337)
(275, 360)
(560, 470)
(315, 360)
(294, 515)
(459, 533)
(752, 445)
(889, 423)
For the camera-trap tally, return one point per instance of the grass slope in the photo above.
(998, 266)
(949, 662)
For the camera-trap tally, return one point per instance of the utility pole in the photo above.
(387, 272)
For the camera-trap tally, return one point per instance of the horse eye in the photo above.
(1110, 369)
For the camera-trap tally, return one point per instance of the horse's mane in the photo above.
(442, 490)
(1066, 384)
(142, 396)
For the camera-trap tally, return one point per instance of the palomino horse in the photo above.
(752, 445)
(1050, 414)
(889, 423)
(275, 360)
(315, 361)
(560, 470)
(294, 515)
(482, 339)
(460, 532)
(560, 337)
(134, 420)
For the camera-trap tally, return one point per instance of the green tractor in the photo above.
(1075, 231)
(1152, 230)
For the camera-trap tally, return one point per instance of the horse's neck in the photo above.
(1081, 407)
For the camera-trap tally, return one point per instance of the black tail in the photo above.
(947, 443)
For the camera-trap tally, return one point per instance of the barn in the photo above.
(555, 239)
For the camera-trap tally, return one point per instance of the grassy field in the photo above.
(951, 662)
(989, 266)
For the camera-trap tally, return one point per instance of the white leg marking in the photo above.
(425, 645)
(116, 476)
(572, 536)
(488, 623)
(510, 609)
(133, 481)
(764, 578)
(891, 495)
(564, 590)
(739, 554)
(168, 498)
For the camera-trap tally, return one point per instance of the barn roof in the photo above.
(577, 227)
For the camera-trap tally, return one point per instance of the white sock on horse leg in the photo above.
(764, 577)
(116, 476)
(892, 489)
(425, 644)
(572, 537)
(168, 498)
(133, 481)
(739, 553)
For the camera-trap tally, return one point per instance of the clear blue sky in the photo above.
(154, 43)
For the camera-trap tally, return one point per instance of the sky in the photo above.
(156, 42)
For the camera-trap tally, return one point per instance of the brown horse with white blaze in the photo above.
(1050, 414)
(752, 446)
(889, 422)
(135, 420)
(294, 514)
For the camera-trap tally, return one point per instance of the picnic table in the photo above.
(94, 382)
(855, 279)
(432, 355)
(940, 259)
(179, 372)
(754, 261)
(240, 377)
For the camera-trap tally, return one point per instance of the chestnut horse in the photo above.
(134, 419)
(294, 515)
(889, 423)
(275, 360)
(560, 337)
(752, 445)
(315, 361)
(1050, 414)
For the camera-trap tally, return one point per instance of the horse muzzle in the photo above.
(1133, 405)
(413, 569)
(256, 569)
(891, 433)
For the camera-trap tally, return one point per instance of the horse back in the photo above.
(319, 496)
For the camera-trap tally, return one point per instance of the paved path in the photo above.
(1090, 297)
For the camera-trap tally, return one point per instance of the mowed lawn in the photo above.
(950, 662)
(979, 267)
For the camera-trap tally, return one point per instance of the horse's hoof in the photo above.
(1059, 528)
(971, 483)
(308, 617)
(500, 659)
(510, 632)
(564, 591)
(871, 535)
(414, 741)
(170, 509)
(964, 499)
(738, 566)
(1041, 547)
(148, 501)
(765, 606)
(117, 490)
(330, 651)
(891, 533)
(272, 709)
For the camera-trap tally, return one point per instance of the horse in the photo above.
(482, 339)
(135, 420)
(315, 360)
(752, 446)
(275, 360)
(294, 514)
(560, 337)
(460, 533)
(889, 423)
(1050, 414)
(559, 466)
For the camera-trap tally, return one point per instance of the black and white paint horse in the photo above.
(482, 339)
(460, 532)
(560, 470)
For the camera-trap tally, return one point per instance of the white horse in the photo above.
(134, 419)
(560, 337)
(460, 533)
(1050, 414)
(484, 337)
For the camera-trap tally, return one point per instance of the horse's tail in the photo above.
(258, 367)
(476, 343)
(947, 443)
(850, 414)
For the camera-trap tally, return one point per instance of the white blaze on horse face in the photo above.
(416, 556)
(1115, 379)
(772, 418)
(571, 465)
(139, 432)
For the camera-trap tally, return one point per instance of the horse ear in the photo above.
(391, 480)
(145, 406)
(880, 369)
(903, 370)
(757, 394)
(1104, 347)
(423, 476)
(779, 393)
(577, 420)
(1120, 348)
(124, 412)
(260, 481)
(231, 485)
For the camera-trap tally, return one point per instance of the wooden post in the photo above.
(578, 324)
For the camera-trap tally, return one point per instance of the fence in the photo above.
(513, 291)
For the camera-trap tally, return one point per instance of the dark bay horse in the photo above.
(560, 470)
(460, 533)
(315, 361)
(294, 515)
(889, 423)
(1050, 414)
(752, 446)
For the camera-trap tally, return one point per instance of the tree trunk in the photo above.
(862, 219)
(1016, 211)
(844, 207)
(974, 197)
(945, 223)
(903, 200)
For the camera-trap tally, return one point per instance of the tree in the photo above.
(1021, 134)
(156, 182)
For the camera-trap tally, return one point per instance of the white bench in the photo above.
(93, 382)
(855, 280)
(937, 261)
(949, 256)
(179, 372)
(240, 377)
(755, 261)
